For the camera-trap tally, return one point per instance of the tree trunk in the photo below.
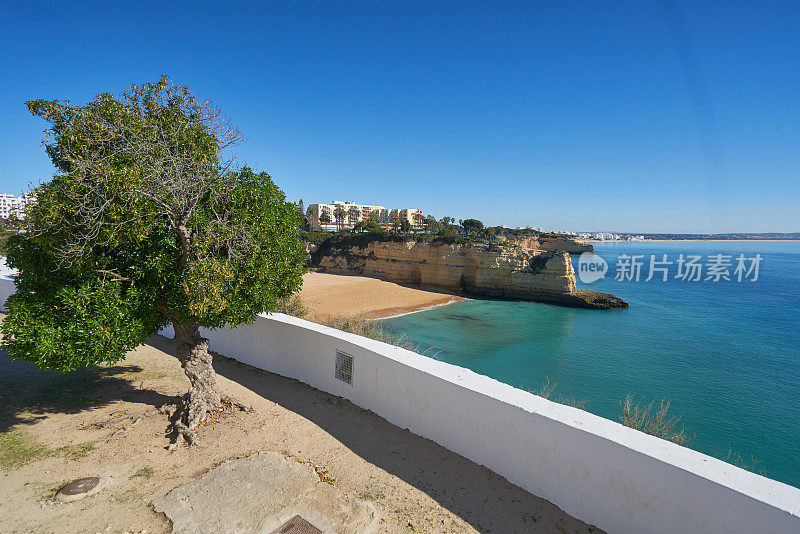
(203, 396)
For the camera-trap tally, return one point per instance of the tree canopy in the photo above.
(144, 223)
(472, 226)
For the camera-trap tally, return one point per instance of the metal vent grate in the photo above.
(344, 367)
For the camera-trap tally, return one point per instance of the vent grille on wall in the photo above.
(344, 367)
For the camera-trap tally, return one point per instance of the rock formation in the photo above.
(506, 272)
(555, 244)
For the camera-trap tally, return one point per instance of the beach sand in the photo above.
(57, 427)
(337, 294)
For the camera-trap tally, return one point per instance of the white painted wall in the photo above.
(594, 469)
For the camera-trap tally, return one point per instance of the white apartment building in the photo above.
(355, 213)
(13, 205)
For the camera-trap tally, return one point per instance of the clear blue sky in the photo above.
(639, 116)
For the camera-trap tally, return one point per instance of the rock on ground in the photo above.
(259, 494)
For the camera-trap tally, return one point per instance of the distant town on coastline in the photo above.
(603, 236)
(345, 215)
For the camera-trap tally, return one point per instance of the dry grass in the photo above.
(360, 326)
(145, 472)
(749, 465)
(18, 448)
(367, 328)
(548, 388)
(655, 421)
(293, 306)
(354, 324)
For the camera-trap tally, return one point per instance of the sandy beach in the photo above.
(337, 294)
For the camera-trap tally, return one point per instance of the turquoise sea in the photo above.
(727, 353)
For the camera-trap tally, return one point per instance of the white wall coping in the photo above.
(760, 488)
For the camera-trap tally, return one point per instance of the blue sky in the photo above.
(627, 116)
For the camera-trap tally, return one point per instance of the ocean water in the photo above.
(727, 353)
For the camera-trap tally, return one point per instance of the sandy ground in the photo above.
(338, 294)
(55, 428)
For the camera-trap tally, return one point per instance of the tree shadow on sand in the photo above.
(474, 493)
(28, 394)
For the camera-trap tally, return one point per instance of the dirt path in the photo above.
(55, 428)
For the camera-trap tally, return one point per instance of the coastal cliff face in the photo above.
(555, 244)
(508, 272)
(564, 244)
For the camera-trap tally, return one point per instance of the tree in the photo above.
(353, 214)
(405, 226)
(324, 218)
(339, 213)
(144, 224)
(418, 219)
(472, 227)
(491, 234)
(431, 224)
(301, 215)
(385, 218)
(372, 226)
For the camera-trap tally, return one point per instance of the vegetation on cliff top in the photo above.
(443, 231)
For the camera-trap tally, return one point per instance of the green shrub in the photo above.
(4, 235)
(314, 237)
(344, 240)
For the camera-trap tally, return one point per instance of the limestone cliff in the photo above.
(508, 272)
(556, 244)
(565, 244)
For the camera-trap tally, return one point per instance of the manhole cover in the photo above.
(77, 489)
(297, 525)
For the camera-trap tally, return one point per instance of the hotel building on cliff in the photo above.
(385, 216)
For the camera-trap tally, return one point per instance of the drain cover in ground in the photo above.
(78, 489)
(297, 525)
